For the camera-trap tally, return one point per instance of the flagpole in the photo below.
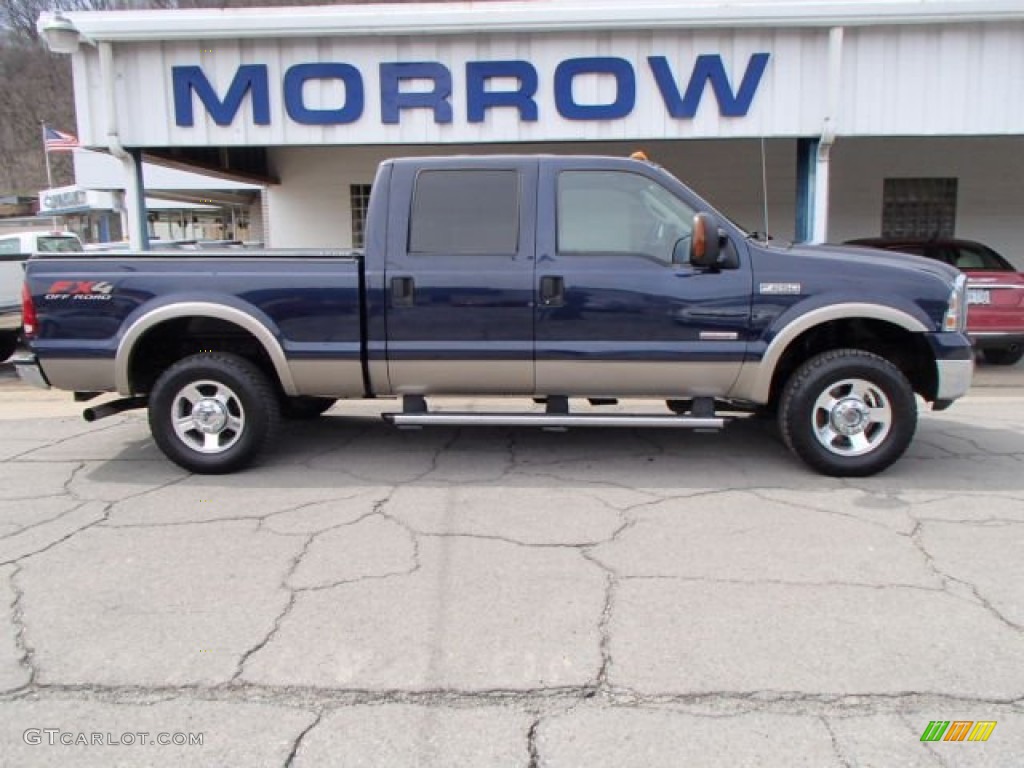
(49, 171)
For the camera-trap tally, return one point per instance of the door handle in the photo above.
(403, 291)
(552, 291)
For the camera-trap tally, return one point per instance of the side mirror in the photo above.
(705, 244)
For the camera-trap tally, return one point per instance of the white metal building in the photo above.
(861, 117)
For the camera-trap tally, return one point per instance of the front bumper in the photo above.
(954, 366)
(954, 379)
(29, 371)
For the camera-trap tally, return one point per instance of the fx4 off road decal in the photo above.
(79, 290)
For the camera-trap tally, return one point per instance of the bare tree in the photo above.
(35, 85)
(20, 15)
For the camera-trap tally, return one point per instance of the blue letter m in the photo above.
(249, 77)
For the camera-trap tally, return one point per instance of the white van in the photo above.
(15, 248)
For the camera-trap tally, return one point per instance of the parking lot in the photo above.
(508, 597)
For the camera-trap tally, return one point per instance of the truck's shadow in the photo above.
(345, 451)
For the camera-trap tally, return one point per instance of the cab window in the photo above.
(618, 212)
(465, 212)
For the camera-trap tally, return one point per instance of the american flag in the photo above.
(58, 141)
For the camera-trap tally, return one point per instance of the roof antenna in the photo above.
(764, 189)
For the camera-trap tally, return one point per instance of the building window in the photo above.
(359, 197)
(919, 208)
(469, 212)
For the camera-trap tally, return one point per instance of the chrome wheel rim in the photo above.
(852, 417)
(208, 416)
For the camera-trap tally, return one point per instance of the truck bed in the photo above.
(88, 306)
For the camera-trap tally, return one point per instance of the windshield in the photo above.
(57, 244)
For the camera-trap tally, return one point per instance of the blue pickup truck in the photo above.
(542, 277)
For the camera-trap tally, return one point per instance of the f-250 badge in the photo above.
(79, 290)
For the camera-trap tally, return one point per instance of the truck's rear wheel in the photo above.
(848, 413)
(212, 413)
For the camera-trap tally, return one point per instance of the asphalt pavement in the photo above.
(509, 597)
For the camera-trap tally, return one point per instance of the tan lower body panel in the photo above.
(635, 378)
(80, 375)
(461, 377)
(327, 378)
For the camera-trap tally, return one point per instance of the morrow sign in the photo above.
(428, 85)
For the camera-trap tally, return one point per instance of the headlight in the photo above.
(956, 312)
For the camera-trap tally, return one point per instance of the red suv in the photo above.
(995, 291)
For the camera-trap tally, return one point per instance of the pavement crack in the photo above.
(787, 583)
(531, 744)
(948, 579)
(71, 478)
(836, 748)
(336, 446)
(89, 433)
(509, 540)
(17, 610)
(929, 750)
(183, 523)
(38, 523)
(570, 480)
(826, 511)
(540, 701)
(416, 564)
(601, 684)
(290, 760)
(435, 458)
(604, 630)
(979, 450)
(263, 524)
(103, 518)
(282, 615)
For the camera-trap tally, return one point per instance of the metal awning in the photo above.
(421, 19)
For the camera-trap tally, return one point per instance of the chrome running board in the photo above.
(550, 421)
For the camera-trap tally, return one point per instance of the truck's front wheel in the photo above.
(212, 413)
(848, 413)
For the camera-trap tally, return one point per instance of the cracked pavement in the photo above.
(508, 597)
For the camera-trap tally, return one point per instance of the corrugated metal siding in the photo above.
(933, 81)
(900, 80)
(146, 108)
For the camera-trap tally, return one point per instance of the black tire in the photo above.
(305, 407)
(1003, 355)
(8, 343)
(848, 413)
(238, 428)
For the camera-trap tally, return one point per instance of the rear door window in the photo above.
(470, 212)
